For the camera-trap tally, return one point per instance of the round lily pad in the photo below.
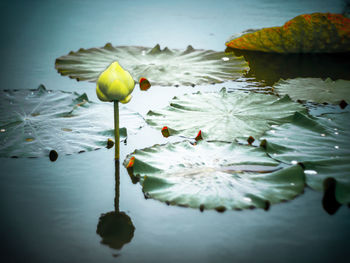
(223, 115)
(315, 89)
(308, 33)
(33, 122)
(214, 175)
(321, 144)
(161, 67)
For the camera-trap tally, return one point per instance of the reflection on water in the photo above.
(270, 67)
(115, 227)
(329, 201)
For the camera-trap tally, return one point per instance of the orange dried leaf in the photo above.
(131, 162)
(309, 33)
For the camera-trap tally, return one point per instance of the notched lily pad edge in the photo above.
(130, 160)
(79, 102)
(168, 131)
(329, 200)
(73, 57)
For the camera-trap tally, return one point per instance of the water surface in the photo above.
(50, 210)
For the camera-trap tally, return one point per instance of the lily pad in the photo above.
(223, 115)
(33, 122)
(309, 33)
(161, 67)
(321, 144)
(315, 89)
(214, 175)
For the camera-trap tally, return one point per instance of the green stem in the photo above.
(116, 130)
(117, 186)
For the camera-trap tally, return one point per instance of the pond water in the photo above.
(50, 210)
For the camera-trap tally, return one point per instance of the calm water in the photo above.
(50, 211)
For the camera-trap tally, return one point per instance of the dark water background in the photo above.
(50, 211)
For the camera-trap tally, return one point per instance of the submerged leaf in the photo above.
(309, 33)
(33, 122)
(315, 90)
(214, 175)
(321, 144)
(160, 67)
(222, 115)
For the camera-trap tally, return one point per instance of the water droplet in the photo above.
(336, 147)
(294, 162)
(292, 184)
(247, 199)
(225, 59)
(336, 133)
(323, 135)
(335, 129)
(310, 172)
(273, 131)
(2, 130)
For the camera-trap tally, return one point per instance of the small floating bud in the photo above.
(263, 144)
(144, 84)
(53, 155)
(343, 104)
(250, 140)
(165, 132)
(267, 205)
(110, 143)
(199, 136)
(220, 209)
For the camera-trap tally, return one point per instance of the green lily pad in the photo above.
(33, 122)
(222, 115)
(214, 175)
(161, 67)
(315, 89)
(321, 144)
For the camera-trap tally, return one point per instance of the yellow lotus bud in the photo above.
(115, 84)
